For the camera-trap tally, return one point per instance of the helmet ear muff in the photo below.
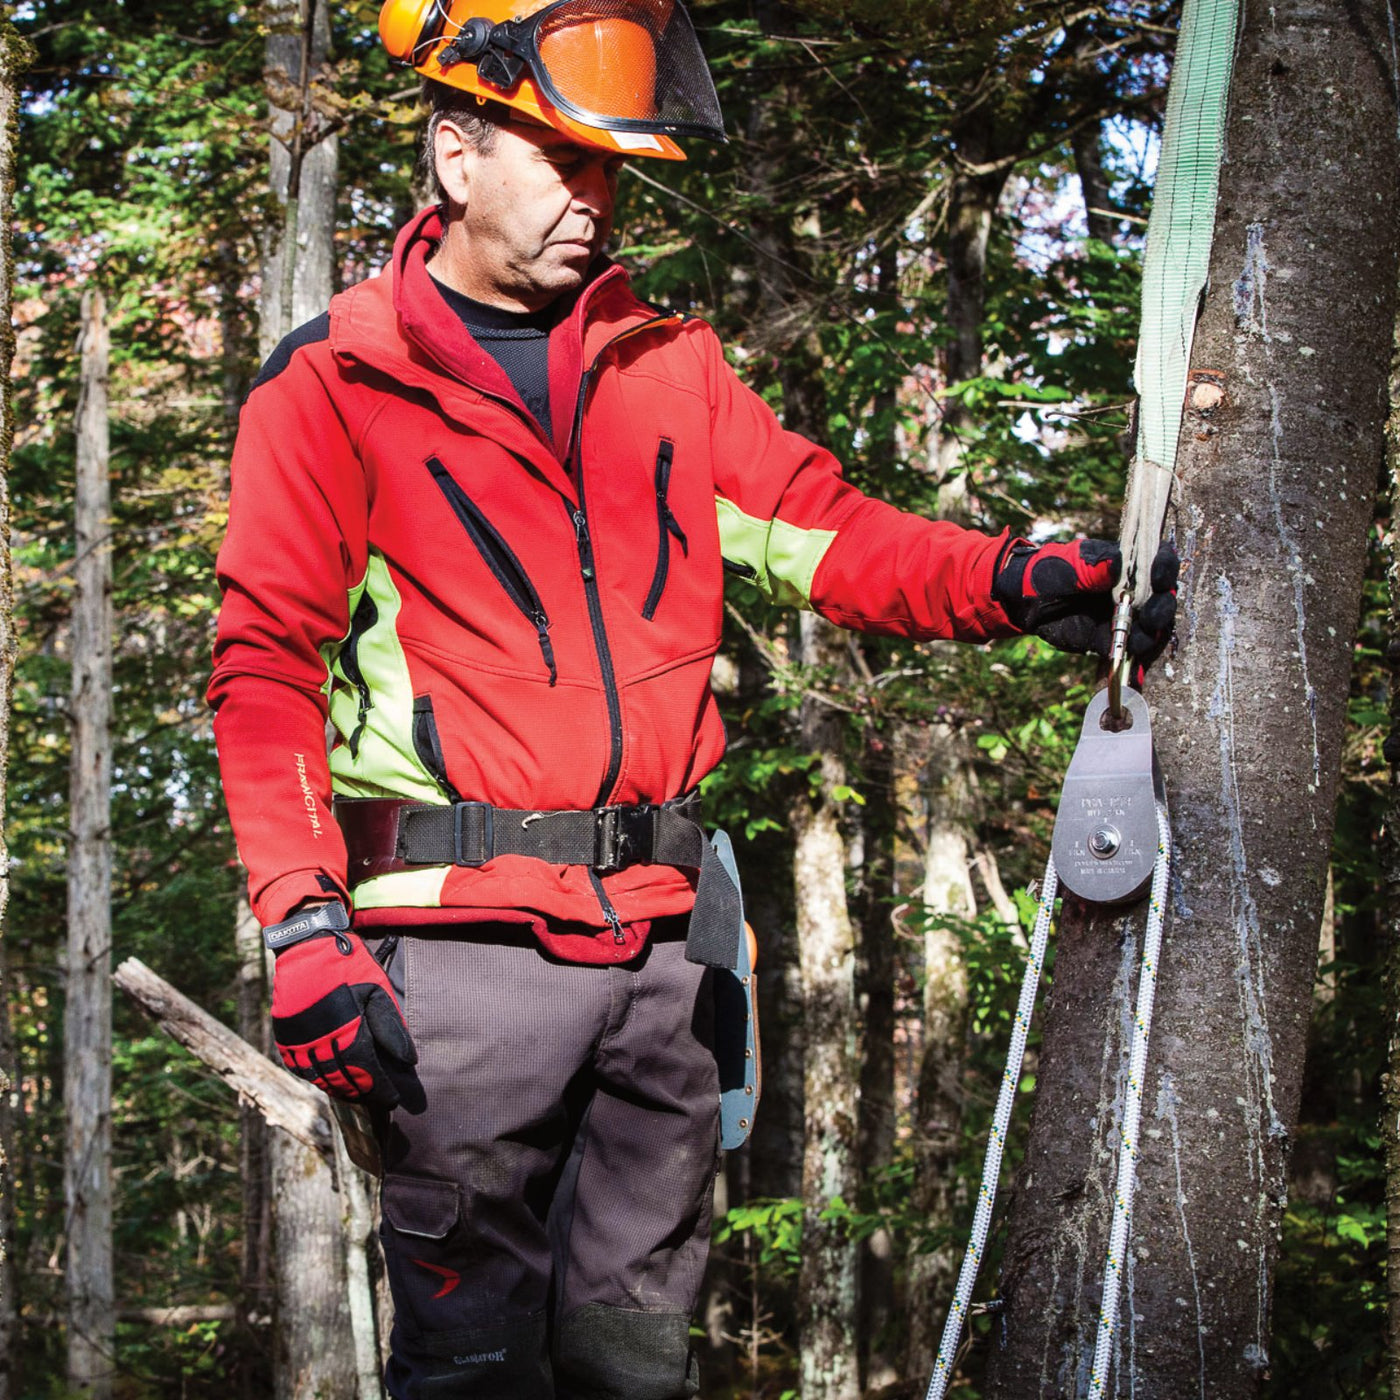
(405, 26)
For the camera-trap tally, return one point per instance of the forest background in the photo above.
(922, 244)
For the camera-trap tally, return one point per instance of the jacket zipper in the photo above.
(666, 526)
(500, 559)
(609, 913)
(366, 615)
(573, 462)
(427, 743)
(589, 570)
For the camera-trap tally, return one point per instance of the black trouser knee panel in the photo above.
(607, 1353)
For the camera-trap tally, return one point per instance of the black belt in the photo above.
(384, 835)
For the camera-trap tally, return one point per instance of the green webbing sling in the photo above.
(1174, 268)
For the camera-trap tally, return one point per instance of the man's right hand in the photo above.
(337, 1022)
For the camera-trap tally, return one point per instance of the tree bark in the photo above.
(312, 1319)
(358, 1228)
(13, 58)
(304, 159)
(879, 1321)
(253, 1137)
(972, 204)
(1272, 511)
(938, 1126)
(1086, 145)
(87, 1032)
(826, 944)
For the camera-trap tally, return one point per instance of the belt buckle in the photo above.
(488, 833)
(623, 836)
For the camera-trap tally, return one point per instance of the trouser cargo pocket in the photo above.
(420, 1221)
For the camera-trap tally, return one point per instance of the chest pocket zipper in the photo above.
(366, 615)
(500, 559)
(666, 526)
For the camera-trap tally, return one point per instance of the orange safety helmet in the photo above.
(623, 75)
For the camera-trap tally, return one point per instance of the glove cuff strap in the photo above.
(309, 923)
(1009, 578)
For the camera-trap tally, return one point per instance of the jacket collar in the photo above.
(398, 323)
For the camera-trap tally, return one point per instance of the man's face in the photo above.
(536, 211)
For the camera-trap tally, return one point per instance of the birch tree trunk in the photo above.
(826, 953)
(1273, 505)
(938, 1126)
(87, 1026)
(13, 58)
(313, 1354)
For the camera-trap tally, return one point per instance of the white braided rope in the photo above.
(1132, 1117)
(1132, 1112)
(996, 1141)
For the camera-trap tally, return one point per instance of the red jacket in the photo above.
(519, 621)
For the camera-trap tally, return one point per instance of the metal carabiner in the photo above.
(1118, 657)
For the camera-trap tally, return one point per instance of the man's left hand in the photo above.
(1063, 593)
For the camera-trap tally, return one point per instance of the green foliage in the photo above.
(776, 1229)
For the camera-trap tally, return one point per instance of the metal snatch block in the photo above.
(1105, 840)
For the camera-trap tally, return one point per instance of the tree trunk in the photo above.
(358, 1230)
(826, 943)
(253, 1137)
(282, 1099)
(312, 1354)
(13, 57)
(879, 1323)
(1086, 145)
(1272, 511)
(938, 1125)
(972, 205)
(87, 1034)
(304, 159)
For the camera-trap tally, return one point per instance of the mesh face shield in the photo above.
(626, 65)
(620, 65)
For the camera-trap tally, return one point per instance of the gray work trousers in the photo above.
(546, 1211)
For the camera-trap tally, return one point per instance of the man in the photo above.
(481, 514)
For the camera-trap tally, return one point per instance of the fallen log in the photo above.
(284, 1101)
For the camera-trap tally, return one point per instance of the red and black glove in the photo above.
(1063, 594)
(337, 1022)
